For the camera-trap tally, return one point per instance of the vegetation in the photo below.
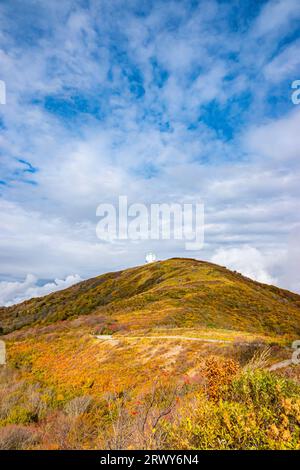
(225, 407)
(148, 386)
(176, 292)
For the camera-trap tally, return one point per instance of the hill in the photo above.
(171, 355)
(173, 293)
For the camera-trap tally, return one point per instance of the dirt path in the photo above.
(115, 340)
(178, 337)
(281, 365)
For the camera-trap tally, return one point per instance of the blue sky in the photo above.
(164, 101)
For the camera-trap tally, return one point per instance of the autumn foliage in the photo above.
(174, 355)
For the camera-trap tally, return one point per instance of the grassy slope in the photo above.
(172, 293)
(55, 359)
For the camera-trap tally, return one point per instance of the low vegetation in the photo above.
(174, 293)
(147, 386)
(223, 407)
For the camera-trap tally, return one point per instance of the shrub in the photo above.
(14, 437)
(78, 406)
(261, 389)
(21, 415)
(258, 411)
(55, 431)
(218, 373)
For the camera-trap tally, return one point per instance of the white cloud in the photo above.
(290, 262)
(275, 16)
(247, 260)
(284, 65)
(15, 292)
(277, 139)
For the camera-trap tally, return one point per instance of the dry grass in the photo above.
(65, 389)
(173, 293)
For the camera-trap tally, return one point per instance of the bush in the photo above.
(14, 437)
(78, 406)
(218, 373)
(261, 389)
(21, 415)
(258, 411)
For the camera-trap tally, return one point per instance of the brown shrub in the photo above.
(55, 431)
(78, 406)
(219, 373)
(16, 437)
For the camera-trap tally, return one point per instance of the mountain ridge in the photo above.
(174, 292)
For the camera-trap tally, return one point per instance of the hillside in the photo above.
(172, 293)
(171, 355)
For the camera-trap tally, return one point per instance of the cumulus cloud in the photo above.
(276, 140)
(290, 273)
(247, 260)
(15, 292)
